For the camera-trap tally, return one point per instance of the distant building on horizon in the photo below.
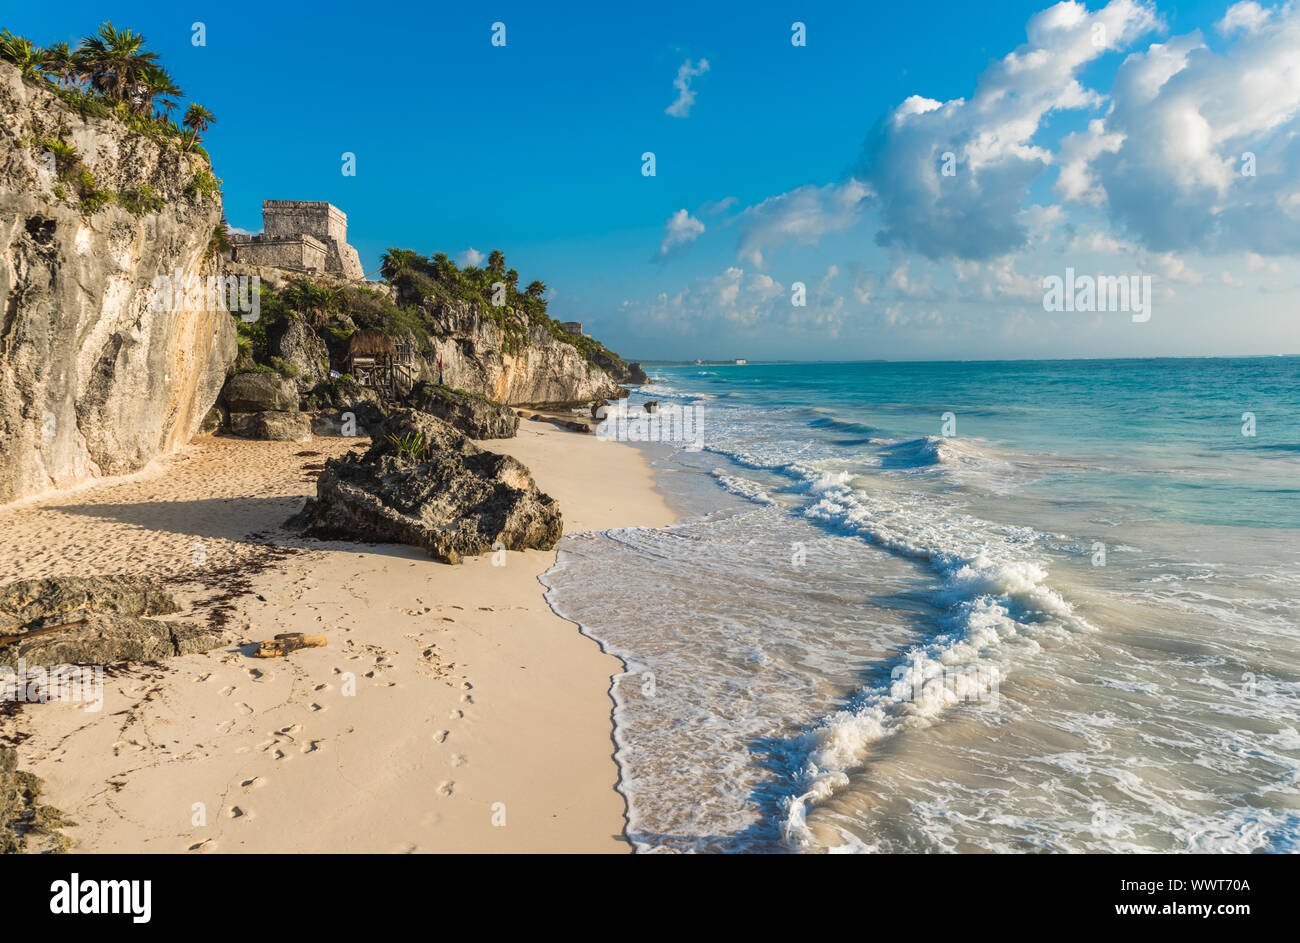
(300, 235)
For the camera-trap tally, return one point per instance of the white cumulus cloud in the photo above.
(681, 106)
(987, 142)
(802, 216)
(681, 229)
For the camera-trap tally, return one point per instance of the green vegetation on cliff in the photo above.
(494, 289)
(111, 73)
(334, 311)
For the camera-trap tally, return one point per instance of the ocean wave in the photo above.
(938, 452)
(995, 595)
(842, 425)
(742, 487)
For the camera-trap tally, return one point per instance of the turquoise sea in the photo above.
(1021, 606)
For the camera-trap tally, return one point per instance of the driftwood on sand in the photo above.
(287, 642)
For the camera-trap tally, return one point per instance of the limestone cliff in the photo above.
(94, 379)
(477, 357)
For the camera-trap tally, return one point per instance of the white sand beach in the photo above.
(450, 710)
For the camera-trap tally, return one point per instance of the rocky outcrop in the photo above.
(619, 369)
(263, 405)
(476, 416)
(303, 353)
(343, 407)
(29, 602)
(423, 483)
(96, 377)
(92, 621)
(257, 392)
(272, 426)
(476, 357)
(26, 823)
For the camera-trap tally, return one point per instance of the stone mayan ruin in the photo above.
(305, 236)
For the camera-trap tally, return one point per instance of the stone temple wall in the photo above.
(300, 234)
(290, 217)
(287, 252)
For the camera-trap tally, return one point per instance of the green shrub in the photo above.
(203, 182)
(287, 370)
(65, 156)
(141, 200)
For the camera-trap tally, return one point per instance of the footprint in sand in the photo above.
(283, 739)
(237, 813)
(456, 715)
(203, 847)
(445, 789)
(127, 746)
(257, 674)
(441, 736)
(317, 707)
(243, 708)
(228, 690)
(458, 759)
(257, 782)
(199, 679)
(225, 726)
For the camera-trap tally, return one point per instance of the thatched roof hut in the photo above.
(371, 344)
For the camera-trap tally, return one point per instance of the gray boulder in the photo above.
(332, 402)
(259, 392)
(272, 425)
(476, 416)
(426, 484)
(302, 351)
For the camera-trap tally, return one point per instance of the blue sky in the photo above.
(772, 175)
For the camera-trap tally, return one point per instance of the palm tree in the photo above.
(158, 84)
(497, 262)
(535, 289)
(116, 62)
(395, 261)
(197, 119)
(22, 52)
(61, 64)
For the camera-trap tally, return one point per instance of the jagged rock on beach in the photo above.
(476, 416)
(426, 484)
(97, 620)
(22, 815)
(332, 400)
(38, 602)
(259, 392)
(272, 425)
